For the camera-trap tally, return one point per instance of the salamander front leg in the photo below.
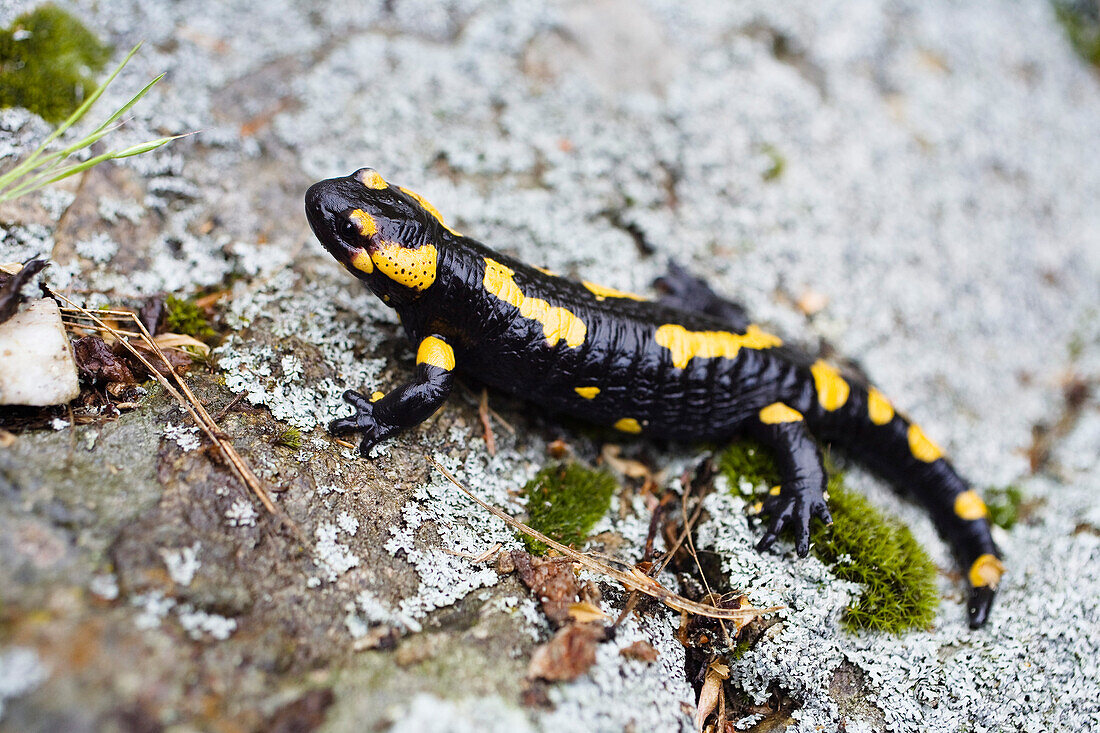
(406, 406)
(801, 494)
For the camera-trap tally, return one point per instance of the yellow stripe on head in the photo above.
(372, 179)
(832, 390)
(428, 207)
(986, 571)
(368, 227)
(921, 446)
(361, 261)
(436, 352)
(777, 412)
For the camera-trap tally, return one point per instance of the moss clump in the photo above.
(290, 438)
(564, 501)
(47, 62)
(1081, 21)
(863, 545)
(1004, 505)
(183, 316)
(879, 552)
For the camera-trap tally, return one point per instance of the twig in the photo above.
(483, 414)
(225, 410)
(633, 579)
(198, 413)
(503, 423)
(476, 558)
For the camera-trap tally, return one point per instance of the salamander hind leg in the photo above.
(684, 291)
(801, 494)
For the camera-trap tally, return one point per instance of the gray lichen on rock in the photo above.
(932, 188)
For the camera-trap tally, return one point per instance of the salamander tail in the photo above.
(866, 425)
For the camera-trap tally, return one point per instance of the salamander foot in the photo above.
(363, 421)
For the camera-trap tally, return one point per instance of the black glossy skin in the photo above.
(711, 399)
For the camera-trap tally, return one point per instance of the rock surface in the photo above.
(917, 171)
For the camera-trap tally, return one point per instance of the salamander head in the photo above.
(385, 235)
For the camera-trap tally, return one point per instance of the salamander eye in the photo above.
(349, 230)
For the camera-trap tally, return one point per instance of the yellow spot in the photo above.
(777, 412)
(879, 408)
(602, 292)
(371, 179)
(429, 208)
(922, 448)
(628, 425)
(589, 393)
(377, 396)
(436, 352)
(685, 344)
(546, 271)
(986, 570)
(558, 324)
(968, 505)
(775, 490)
(412, 267)
(832, 390)
(365, 222)
(362, 261)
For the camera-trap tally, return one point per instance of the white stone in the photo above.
(36, 361)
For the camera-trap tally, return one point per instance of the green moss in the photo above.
(1004, 505)
(863, 545)
(291, 438)
(879, 552)
(564, 501)
(183, 316)
(749, 467)
(47, 63)
(1081, 21)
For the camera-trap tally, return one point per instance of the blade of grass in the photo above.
(126, 107)
(31, 161)
(52, 175)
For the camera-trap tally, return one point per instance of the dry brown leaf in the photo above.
(182, 341)
(567, 655)
(584, 612)
(712, 698)
(626, 466)
(552, 581)
(641, 651)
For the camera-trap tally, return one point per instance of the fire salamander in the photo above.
(690, 367)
